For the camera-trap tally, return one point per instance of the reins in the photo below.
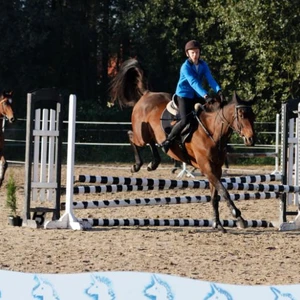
(204, 128)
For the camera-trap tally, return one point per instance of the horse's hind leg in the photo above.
(3, 168)
(156, 158)
(137, 156)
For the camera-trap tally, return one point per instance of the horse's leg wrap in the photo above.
(137, 157)
(236, 213)
(216, 219)
(3, 168)
(156, 158)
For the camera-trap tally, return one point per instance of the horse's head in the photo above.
(6, 109)
(244, 119)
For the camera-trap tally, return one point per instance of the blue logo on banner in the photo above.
(218, 293)
(44, 290)
(158, 290)
(100, 288)
(282, 296)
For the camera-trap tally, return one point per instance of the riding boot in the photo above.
(165, 145)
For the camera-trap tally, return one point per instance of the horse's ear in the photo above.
(254, 100)
(234, 97)
(7, 93)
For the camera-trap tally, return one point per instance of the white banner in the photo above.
(130, 286)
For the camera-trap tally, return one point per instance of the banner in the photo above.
(130, 286)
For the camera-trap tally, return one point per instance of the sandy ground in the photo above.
(241, 256)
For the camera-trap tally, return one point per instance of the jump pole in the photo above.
(159, 182)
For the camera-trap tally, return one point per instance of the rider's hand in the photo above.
(208, 99)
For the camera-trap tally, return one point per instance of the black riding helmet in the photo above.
(193, 44)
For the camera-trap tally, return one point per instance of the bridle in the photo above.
(229, 124)
(3, 102)
(239, 125)
(3, 116)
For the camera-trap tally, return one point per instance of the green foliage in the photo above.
(251, 46)
(11, 199)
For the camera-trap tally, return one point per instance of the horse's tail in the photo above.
(129, 84)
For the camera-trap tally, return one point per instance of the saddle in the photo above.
(170, 116)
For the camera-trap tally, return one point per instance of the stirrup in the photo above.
(165, 145)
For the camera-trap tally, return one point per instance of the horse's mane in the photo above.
(216, 104)
(129, 84)
(212, 107)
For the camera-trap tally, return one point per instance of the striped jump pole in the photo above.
(193, 185)
(169, 182)
(171, 222)
(91, 204)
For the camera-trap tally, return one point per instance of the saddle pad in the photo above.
(167, 121)
(171, 108)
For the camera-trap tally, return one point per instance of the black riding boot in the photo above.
(166, 144)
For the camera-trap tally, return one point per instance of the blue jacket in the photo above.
(190, 80)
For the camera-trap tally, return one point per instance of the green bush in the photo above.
(11, 199)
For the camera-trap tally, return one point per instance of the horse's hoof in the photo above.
(236, 213)
(240, 223)
(152, 166)
(218, 226)
(135, 168)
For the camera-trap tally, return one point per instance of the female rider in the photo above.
(189, 89)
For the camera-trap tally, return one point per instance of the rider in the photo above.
(189, 88)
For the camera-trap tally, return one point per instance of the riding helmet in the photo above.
(193, 44)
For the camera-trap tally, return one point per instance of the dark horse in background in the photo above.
(205, 149)
(6, 113)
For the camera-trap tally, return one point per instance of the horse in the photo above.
(6, 113)
(204, 149)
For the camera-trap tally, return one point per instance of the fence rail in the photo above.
(95, 136)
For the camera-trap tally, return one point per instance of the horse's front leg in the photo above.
(3, 168)
(236, 213)
(215, 205)
(137, 156)
(156, 157)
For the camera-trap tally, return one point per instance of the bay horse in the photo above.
(6, 113)
(204, 150)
